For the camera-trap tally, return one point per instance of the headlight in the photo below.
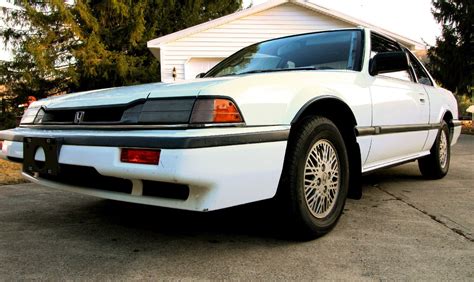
(203, 111)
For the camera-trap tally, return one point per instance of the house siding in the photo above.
(224, 40)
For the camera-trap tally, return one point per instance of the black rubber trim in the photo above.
(114, 127)
(159, 142)
(15, 160)
(378, 130)
(122, 105)
(310, 102)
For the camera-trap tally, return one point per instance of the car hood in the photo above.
(237, 87)
(128, 94)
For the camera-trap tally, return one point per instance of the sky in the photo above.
(410, 18)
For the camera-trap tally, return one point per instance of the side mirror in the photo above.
(201, 75)
(388, 62)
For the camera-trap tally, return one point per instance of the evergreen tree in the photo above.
(452, 59)
(61, 47)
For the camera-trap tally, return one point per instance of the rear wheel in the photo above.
(315, 180)
(436, 164)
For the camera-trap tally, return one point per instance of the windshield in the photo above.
(332, 50)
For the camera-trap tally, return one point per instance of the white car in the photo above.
(298, 118)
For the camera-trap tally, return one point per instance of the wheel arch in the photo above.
(448, 118)
(336, 110)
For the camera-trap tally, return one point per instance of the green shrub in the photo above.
(7, 120)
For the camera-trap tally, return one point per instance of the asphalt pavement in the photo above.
(404, 227)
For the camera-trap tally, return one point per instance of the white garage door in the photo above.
(195, 66)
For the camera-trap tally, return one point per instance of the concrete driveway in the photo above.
(403, 228)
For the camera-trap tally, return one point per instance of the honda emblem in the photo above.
(79, 117)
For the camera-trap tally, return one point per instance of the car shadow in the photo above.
(253, 220)
(107, 220)
(407, 172)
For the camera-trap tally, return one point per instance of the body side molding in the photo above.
(378, 130)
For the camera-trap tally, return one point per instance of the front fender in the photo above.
(276, 98)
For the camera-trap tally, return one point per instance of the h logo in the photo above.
(79, 117)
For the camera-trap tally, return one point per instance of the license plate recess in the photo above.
(51, 148)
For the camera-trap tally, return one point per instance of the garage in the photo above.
(188, 52)
(195, 66)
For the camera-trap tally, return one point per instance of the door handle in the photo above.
(422, 97)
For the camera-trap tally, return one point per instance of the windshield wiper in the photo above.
(276, 70)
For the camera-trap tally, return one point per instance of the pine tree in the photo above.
(452, 59)
(61, 47)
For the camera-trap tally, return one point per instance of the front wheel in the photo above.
(436, 164)
(315, 179)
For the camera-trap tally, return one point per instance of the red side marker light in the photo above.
(1, 145)
(140, 156)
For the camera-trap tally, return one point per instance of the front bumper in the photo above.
(222, 167)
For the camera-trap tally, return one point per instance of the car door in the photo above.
(434, 96)
(400, 112)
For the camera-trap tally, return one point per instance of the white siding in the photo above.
(222, 41)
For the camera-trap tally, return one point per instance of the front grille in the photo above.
(88, 177)
(165, 190)
(91, 115)
(151, 111)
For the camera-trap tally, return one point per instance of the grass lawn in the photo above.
(10, 173)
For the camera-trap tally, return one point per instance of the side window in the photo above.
(420, 72)
(381, 44)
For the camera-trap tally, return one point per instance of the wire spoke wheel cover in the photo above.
(443, 149)
(436, 164)
(322, 178)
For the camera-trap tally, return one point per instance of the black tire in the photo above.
(305, 225)
(433, 166)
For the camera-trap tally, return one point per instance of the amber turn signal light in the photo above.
(215, 110)
(140, 156)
